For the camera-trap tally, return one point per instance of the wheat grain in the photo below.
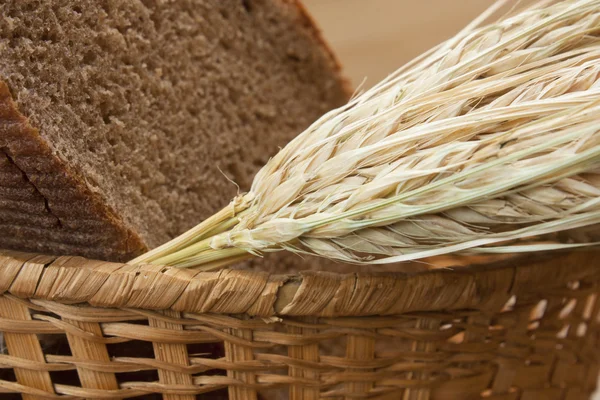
(490, 138)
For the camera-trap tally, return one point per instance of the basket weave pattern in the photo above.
(526, 331)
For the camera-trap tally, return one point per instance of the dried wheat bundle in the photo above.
(487, 141)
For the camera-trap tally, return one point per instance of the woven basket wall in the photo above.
(77, 328)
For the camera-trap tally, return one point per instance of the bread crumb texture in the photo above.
(117, 116)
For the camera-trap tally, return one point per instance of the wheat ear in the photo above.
(489, 142)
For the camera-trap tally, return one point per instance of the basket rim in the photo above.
(77, 280)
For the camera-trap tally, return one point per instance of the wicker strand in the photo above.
(172, 354)
(26, 346)
(422, 346)
(359, 348)
(309, 352)
(234, 352)
(89, 350)
(20, 344)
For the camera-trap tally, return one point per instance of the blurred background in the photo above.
(372, 38)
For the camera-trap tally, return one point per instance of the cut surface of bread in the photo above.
(121, 121)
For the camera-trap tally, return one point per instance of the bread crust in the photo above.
(45, 203)
(49, 208)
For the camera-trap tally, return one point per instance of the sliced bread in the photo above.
(120, 120)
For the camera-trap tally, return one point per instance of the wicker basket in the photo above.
(526, 331)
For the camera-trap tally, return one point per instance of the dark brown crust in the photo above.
(48, 207)
(309, 22)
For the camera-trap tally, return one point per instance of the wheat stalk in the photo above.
(490, 138)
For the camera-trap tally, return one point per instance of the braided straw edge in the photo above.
(72, 280)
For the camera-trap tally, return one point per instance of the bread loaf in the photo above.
(118, 116)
